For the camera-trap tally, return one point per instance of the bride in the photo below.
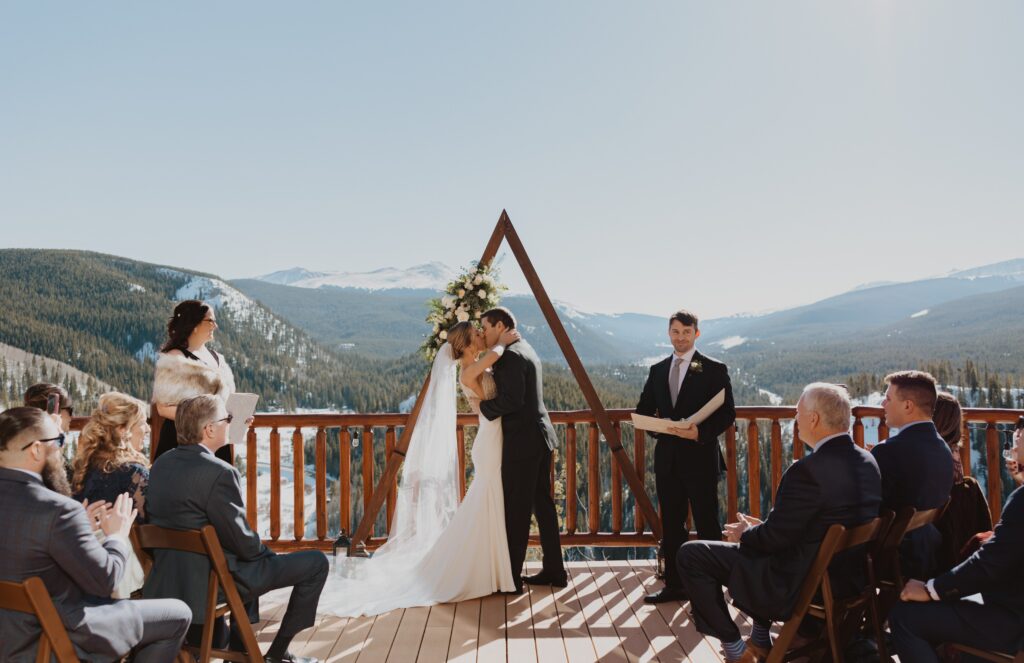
(439, 551)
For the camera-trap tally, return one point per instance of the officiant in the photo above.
(688, 460)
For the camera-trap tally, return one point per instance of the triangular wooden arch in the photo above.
(504, 230)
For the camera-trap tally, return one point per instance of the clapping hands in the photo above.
(115, 520)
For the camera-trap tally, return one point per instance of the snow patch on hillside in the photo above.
(919, 314)
(730, 342)
(429, 276)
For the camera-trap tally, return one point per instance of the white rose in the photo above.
(461, 293)
(482, 293)
(448, 301)
(443, 335)
(478, 280)
(477, 315)
(462, 315)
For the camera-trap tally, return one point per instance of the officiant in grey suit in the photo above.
(189, 487)
(687, 465)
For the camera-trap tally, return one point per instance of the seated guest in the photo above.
(38, 394)
(967, 513)
(916, 466)
(189, 487)
(1016, 469)
(764, 564)
(933, 612)
(49, 535)
(109, 462)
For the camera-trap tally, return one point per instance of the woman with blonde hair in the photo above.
(109, 462)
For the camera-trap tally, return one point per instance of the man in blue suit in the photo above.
(764, 564)
(916, 465)
(933, 612)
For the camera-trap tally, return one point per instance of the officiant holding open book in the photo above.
(687, 459)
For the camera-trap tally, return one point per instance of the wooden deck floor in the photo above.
(600, 616)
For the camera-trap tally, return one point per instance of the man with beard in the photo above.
(50, 536)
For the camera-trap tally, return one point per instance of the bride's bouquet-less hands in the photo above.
(474, 291)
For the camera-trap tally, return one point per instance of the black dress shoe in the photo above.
(291, 658)
(515, 592)
(548, 578)
(666, 595)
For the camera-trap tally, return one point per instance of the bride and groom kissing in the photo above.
(440, 550)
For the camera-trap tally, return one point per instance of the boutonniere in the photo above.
(696, 366)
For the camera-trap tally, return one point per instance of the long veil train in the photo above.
(428, 497)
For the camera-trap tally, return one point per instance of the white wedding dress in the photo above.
(439, 551)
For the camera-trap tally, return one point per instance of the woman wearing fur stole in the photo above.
(187, 368)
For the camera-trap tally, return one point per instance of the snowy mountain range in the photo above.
(428, 276)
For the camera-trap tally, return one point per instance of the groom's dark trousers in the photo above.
(528, 440)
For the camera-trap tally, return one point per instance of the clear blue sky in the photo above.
(724, 156)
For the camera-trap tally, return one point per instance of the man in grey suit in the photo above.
(49, 535)
(189, 487)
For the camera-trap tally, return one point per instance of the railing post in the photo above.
(995, 477)
(965, 447)
(858, 431)
(798, 445)
(593, 481)
(368, 462)
(275, 484)
(640, 462)
(731, 474)
(251, 477)
(321, 483)
(299, 484)
(754, 463)
(616, 488)
(570, 478)
(776, 442)
(389, 448)
(345, 478)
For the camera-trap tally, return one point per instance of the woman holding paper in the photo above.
(187, 368)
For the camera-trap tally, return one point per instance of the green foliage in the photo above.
(467, 297)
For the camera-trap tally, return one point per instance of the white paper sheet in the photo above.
(657, 425)
(240, 407)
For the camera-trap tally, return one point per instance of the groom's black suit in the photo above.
(686, 471)
(528, 440)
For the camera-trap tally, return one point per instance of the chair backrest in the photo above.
(32, 598)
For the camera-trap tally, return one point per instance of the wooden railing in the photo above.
(595, 506)
(758, 449)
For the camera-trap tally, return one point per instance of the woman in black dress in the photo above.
(187, 368)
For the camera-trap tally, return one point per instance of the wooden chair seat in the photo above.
(988, 655)
(32, 598)
(843, 616)
(205, 542)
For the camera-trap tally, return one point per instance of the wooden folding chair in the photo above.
(989, 655)
(842, 616)
(205, 542)
(885, 558)
(31, 597)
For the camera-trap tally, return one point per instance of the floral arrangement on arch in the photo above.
(472, 292)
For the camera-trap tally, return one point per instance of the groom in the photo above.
(529, 439)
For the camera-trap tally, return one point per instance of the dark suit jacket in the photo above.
(917, 468)
(996, 570)
(525, 424)
(49, 536)
(697, 389)
(189, 488)
(837, 484)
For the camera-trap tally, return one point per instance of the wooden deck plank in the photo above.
(519, 628)
(406, 646)
(697, 647)
(663, 641)
(491, 645)
(437, 635)
(382, 635)
(350, 642)
(466, 628)
(547, 632)
(576, 637)
(604, 638)
(319, 640)
(633, 639)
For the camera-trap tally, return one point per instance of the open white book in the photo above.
(657, 425)
(240, 407)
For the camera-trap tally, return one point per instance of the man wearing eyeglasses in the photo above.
(189, 488)
(48, 535)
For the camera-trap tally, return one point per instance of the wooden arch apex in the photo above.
(505, 231)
